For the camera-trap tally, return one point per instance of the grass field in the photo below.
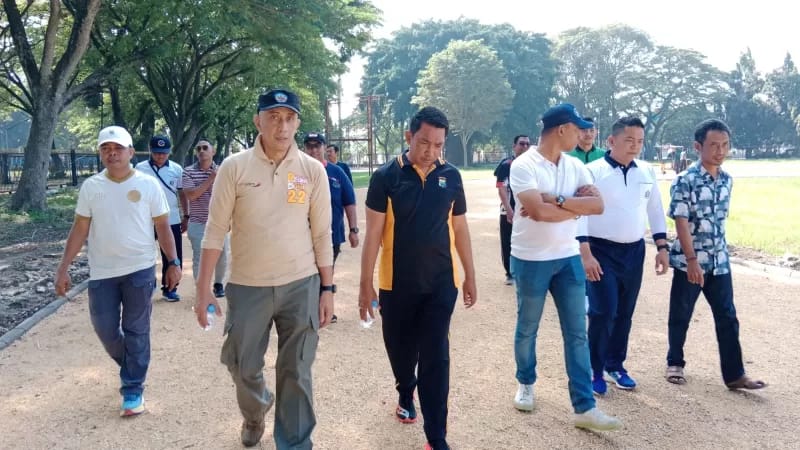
(764, 214)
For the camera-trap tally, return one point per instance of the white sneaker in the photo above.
(509, 281)
(523, 401)
(597, 420)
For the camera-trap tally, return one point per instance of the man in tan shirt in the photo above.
(276, 201)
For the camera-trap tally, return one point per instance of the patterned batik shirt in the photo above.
(704, 202)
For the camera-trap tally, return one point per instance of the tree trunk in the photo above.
(464, 143)
(31, 193)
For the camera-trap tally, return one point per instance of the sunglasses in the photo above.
(201, 147)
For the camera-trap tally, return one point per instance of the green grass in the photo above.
(764, 214)
(19, 226)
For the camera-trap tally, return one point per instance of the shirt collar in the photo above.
(613, 162)
(698, 166)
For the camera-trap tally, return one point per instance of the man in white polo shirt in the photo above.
(554, 190)
(612, 248)
(116, 211)
(169, 175)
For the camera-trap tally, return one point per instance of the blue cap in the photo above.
(160, 144)
(319, 137)
(211, 309)
(562, 114)
(279, 98)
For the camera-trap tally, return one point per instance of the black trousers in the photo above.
(415, 331)
(176, 235)
(505, 243)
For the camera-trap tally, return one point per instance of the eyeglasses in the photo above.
(201, 147)
(524, 144)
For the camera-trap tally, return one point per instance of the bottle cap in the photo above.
(211, 309)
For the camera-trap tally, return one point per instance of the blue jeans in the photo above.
(718, 290)
(566, 281)
(120, 310)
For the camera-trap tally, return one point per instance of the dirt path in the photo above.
(58, 389)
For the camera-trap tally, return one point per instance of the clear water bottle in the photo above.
(368, 323)
(211, 316)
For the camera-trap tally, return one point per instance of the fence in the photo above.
(66, 169)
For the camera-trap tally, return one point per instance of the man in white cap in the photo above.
(116, 211)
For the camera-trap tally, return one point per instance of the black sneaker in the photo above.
(405, 411)
(219, 290)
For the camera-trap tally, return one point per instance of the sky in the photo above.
(715, 28)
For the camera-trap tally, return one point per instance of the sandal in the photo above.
(675, 375)
(746, 382)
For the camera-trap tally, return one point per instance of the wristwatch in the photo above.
(175, 262)
(331, 288)
(186, 216)
(354, 230)
(560, 201)
(662, 247)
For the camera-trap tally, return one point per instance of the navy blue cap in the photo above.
(562, 114)
(160, 144)
(279, 98)
(319, 137)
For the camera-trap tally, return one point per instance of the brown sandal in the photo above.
(675, 375)
(746, 382)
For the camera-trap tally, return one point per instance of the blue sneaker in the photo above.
(132, 405)
(172, 296)
(622, 379)
(405, 411)
(599, 385)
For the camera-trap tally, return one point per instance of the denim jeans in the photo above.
(120, 310)
(718, 290)
(566, 281)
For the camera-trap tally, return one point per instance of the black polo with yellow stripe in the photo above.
(418, 244)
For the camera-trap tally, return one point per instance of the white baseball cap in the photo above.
(115, 134)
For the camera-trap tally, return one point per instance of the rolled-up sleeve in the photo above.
(319, 218)
(220, 210)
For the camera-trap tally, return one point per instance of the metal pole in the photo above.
(369, 132)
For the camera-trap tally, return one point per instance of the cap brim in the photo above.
(267, 108)
(116, 141)
(160, 150)
(583, 124)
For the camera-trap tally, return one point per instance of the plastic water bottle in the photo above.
(211, 316)
(368, 323)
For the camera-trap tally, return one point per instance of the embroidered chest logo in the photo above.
(296, 188)
(134, 195)
(442, 182)
(335, 183)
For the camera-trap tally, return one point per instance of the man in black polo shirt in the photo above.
(416, 212)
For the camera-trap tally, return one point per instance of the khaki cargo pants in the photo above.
(294, 308)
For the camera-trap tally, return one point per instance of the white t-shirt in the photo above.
(532, 240)
(121, 239)
(172, 174)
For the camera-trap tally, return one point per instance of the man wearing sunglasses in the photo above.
(198, 181)
(521, 144)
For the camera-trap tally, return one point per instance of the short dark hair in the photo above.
(335, 147)
(588, 119)
(701, 132)
(625, 122)
(432, 116)
(516, 138)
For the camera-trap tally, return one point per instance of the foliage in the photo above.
(468, 82)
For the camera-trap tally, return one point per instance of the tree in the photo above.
(783, 92)
(669, 81)
(43, 77)
(467, 81)
(394, 65)
(594, 64)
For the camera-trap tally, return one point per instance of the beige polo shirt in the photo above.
(279, 217)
